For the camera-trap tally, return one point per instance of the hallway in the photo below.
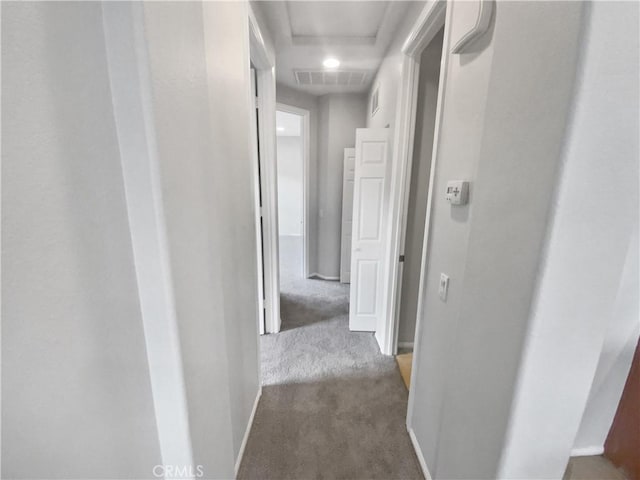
(332, 406)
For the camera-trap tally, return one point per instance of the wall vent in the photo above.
(333, 77)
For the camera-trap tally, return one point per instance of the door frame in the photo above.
(306, 152)
(253, 140)
(264, 63)
(428, 24)
(435, 15)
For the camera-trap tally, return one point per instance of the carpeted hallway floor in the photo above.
(332, 405)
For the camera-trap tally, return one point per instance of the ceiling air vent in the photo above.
(332, 77)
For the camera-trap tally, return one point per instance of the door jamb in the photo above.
(428, 24)
(443, 19)
(306, 115)
(256, 200)
(264, 63)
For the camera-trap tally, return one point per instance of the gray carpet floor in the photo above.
(332, 406)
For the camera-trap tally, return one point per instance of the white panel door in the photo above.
(347, 214)
(371, 186)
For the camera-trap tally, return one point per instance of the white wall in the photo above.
(435, 358)
(333, 120)
(419, 186)
(339, 116)
(290, 185)
(585, 317)
(621, 338)
(294, 98)
(227, 49)
(622, 325)
(388, 75)
(129, 79)
(74, 234)
(502, 129)
(258, 14)
(202, 84)
(76, 397)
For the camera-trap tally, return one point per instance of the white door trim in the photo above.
(434, 16)
(347, 208)
(305, 114)
(264, 63)
(253, 134)
(428, 24)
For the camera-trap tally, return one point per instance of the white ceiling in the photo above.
(288, 124)
(335, 19)
(357, 33)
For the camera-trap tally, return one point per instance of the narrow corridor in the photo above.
(332, 405)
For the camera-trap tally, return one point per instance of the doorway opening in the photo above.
(261, 102)
(416, 202)
(255, 121)
(292, 172)
(337, 332)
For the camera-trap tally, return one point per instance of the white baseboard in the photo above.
(587, 451)
(247, 431)
(421, 460)
(324, 277)
(405, 344)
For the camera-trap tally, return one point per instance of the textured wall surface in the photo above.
(128, 239)
(76, 398)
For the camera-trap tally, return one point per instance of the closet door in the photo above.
(371, 187)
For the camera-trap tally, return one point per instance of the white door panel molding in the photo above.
(371, 186)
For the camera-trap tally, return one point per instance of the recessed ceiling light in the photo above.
(331, 63)
(280, 129)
